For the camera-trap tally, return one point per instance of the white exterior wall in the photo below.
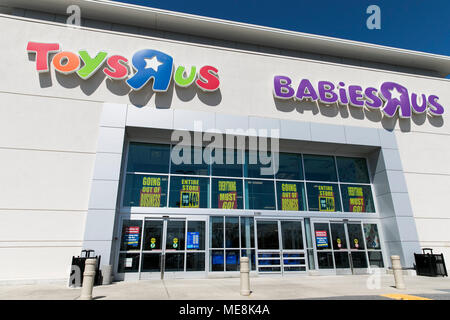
(50, 126)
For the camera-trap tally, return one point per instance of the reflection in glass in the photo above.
(338, 233)
(195, 261)
(247, 233)
(151, 262)
(153, 230)
(355, 236)
(194, 161)
(232, 260)
(231, 232)
(352, 170)
(216, 232)
(372, 238)
(232, 163)
(341, 260)
(289, 166)
(376, 259)
(251, 255)
(216, 260)
(260, 195)
(175, 234)
(253, 165)
(319, 168)
(291, 233)
(359, 259)
(267, 235)
(174, 262)
(148, 157)
(325, 260)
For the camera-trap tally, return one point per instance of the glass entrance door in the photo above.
(158, 248)
(280, 246)
(341, 247)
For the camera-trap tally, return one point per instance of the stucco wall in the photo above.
(49, 132)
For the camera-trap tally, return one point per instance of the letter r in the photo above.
(42, 50)
(151, 64)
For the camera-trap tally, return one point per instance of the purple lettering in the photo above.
(282, 87)
(306, 90)
(372, 100)
(395, 96)
(434, 108)
(355, 94)
(326, 93)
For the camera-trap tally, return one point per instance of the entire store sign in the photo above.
(390, 97)
(147, 63)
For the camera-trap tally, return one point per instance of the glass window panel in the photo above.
(268, 235)
(194, 163)
(325, 260)
(151, 262)
(128, 262)
(372, 237)
(289, 166)
(359, 259)
(195, 261)
(319, 168)
(195, 235)
(247, 233)
(355, 236)
(357, 198)
(145, 191)
(189, 192)
(227, 193)
(217, 262)
(131, 235)
(323, 197)
(352, 170)
(232, 260)
(216, 232)
(148, 157)
(175, 235)
(341, 260)
(253, 165)
(292, 234)
(260, 195)
(251, 255)
(231, 163)
(291, 196)
(376, 258)
(153, 230)
(322, 236)
(338, 235)
(231, 232)
(174, 262)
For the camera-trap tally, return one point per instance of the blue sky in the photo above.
(421, 25)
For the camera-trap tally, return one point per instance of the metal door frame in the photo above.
(280, 245)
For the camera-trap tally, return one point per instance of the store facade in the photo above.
(174, 156)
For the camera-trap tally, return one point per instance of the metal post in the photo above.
(88, 279)
(398, 273)
(245, 278)
(107, 274)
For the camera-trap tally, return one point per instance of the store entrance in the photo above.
(280, 246)
(162, 247)
(340, 247)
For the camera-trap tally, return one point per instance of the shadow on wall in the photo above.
(140, 98)
(344, 111)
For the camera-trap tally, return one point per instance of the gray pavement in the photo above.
(263, 288)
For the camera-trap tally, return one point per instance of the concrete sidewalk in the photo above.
(263, 288)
